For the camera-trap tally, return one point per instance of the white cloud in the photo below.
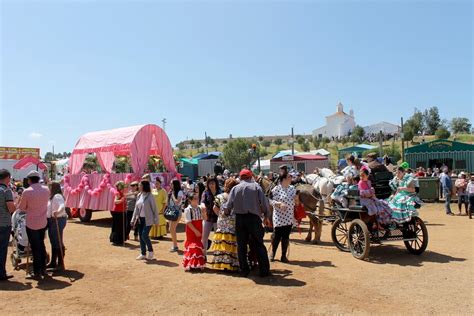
(35, 135)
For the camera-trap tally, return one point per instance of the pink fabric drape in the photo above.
(76, 161)
(106, 160)
(138, 141)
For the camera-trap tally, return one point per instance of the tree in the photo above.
(344, 140)
(432, 120)
(210, 141)
(460, 125)
(122, 164)
(408, 132)
(198, 145)
(416, 122)
(224, 141)
(357, 134)
(181, 146)
(235, 154)
(192, 142)
(316, 142)
(266, 143)
(49, 157)
(91, 164)
(442, 133)
(278, 141)
(414, 125)
(305, 146)
(215, 146)
(260, 138)
(300, 139)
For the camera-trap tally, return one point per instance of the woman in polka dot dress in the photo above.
(283, 203)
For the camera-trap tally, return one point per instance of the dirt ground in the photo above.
(319, 280)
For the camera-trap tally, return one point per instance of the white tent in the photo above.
(384, 127)
(321, 151)
(264, 165)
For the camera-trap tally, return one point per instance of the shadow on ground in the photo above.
(389, 254)
(278, 278)
(14, 286)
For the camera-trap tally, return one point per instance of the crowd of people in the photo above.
(224, 215)
(45, 212)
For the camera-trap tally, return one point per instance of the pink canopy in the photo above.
(27, 161)
(137, 141)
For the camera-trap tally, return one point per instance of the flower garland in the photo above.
(84, 185)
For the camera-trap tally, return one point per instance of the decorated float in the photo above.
(90, 190)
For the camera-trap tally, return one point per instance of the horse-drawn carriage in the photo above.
(351, 226)
(351, 232)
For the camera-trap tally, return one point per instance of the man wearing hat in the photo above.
(248, 202)
(374, 165)
(34, 202)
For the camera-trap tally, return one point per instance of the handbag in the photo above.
(299, 212)
(172, 210)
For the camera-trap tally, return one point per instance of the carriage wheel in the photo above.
(339, 235)
(418, 228)
(85, 215)
(359, 239)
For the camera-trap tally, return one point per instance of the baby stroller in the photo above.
(20, 245)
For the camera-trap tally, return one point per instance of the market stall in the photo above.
(300, 162)
(189, 168)
(455, 155)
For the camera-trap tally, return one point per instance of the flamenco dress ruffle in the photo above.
(193, 257)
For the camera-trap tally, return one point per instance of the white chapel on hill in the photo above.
(339, 124)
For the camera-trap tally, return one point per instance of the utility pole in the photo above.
(205, 142)
(292, 142)
(402, 135)
(164, 124)
(381, 137)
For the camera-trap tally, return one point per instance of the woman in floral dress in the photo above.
(224, 244)
(403, 202)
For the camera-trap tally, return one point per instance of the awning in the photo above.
(28, 161)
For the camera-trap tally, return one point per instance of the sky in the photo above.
(226, 67)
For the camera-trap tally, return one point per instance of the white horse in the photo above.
(324, 182)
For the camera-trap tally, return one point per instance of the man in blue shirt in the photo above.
(446, 185)
(248, 202)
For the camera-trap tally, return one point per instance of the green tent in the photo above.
(455, 155)
(189, 168)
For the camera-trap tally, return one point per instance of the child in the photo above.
(193, 257)
(339, 195)
(375, 207)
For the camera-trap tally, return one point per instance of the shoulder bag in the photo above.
(172, 210)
